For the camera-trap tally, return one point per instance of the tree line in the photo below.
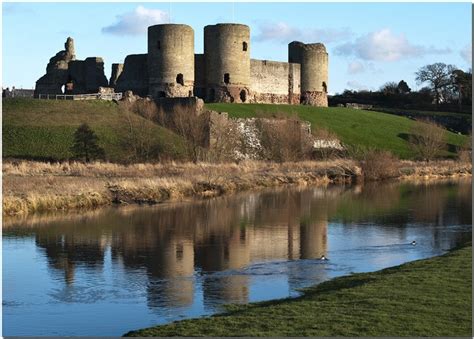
(446, 87)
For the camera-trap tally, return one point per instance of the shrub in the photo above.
(283, 139)
(426, 139)
(378, 165)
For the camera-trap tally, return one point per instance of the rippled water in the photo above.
(111, 271)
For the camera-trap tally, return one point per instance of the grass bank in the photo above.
(358, 128)
(431, 297)
(43, 130)
(37, 187)
(30, 186)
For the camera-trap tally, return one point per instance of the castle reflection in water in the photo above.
(173, 246)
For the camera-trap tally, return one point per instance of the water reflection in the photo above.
(220, 250)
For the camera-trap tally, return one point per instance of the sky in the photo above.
(369, 44)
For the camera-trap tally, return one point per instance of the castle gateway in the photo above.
(224, 73)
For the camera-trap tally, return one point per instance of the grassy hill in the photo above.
(43, 129)
(353, 127)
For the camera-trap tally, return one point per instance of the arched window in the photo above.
(243, 95)
(226, 78)
(180, 79)
(158, 44)
(244, 46)
(325, 87)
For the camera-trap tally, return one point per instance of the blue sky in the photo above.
(368, 43)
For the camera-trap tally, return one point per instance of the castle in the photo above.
(224, 73)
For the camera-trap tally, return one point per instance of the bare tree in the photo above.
(389, 88)
(438, 75)
(427, 139)
(225, 140)
(141, 138)
(193, 127)
(283, 139)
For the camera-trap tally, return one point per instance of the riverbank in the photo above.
(30, 187)
(430, 297)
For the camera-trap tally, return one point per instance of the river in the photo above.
(109, 271)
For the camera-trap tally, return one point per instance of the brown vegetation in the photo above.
(379, 165)
(36, 187)
(427, 139)
(283, 139)
(33, 186)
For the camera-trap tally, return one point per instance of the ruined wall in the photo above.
(86, 76)
(313, 59)
(171, 60)
(134, 75)
(274, 82)
(227, 62)
(77, 76)
(117, 70)
(56, 71)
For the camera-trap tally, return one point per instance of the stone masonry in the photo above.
(224, 73)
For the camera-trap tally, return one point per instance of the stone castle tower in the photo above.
(224, 73)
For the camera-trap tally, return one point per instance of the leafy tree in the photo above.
(438, 75)
(403, 88)
(462, 82)
(85, 144)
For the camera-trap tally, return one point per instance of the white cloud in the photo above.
(283, 33)
(137, 21)
(355, 67)
(466, 54)
(383, 45)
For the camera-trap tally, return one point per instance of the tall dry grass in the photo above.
(33, 186)
(37, 187)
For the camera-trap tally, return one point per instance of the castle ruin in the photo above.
(224, 73)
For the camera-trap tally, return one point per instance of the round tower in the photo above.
(227, 62)
(171, 60)
(313, 59)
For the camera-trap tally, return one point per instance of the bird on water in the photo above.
(413, 242)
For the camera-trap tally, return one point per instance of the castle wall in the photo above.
(117, 70)
(274, 82)
(199, 76)
(86, 76)
(171, 60)
(134, 76)
(227, 62)
(314, 71)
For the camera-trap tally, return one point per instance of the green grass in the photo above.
(354, 127)
(431, 297)
(43, 129)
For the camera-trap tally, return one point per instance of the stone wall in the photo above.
(274, 82)
(117, 70)
(17, 93)
(199, 76)
(86, 76)
(171, 60)
(77, 76)
(134, 76)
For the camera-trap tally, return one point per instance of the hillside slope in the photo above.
(43, 129)
(354, 127)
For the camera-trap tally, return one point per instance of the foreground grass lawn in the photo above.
(44, 129)
(354, 127)
(431, 297)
